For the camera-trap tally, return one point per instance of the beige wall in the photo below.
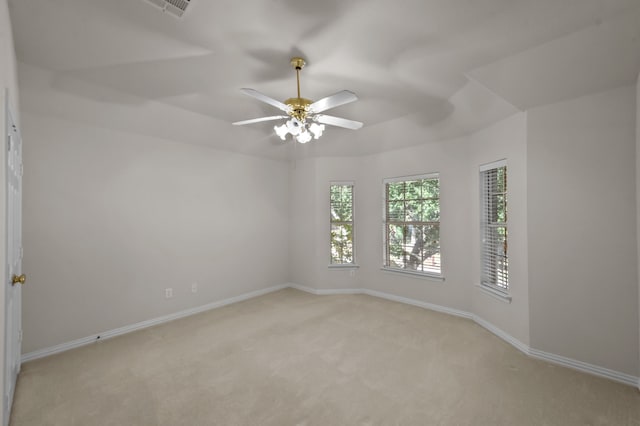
(111, 219)
(583, 278)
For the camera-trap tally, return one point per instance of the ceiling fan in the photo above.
(304, 118)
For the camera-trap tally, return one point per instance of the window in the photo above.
(493, 226)
(412, 224)
(341, 207)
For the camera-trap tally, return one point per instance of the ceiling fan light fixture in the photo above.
(294, 126)
(316, 129)
(300, 130)
(304, 136)
(281, 131)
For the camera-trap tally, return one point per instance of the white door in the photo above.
(15, 278)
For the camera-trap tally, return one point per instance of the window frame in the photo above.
(485, 282)
(387, 268)
(351, 264)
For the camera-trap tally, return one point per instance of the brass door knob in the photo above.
(18, 279)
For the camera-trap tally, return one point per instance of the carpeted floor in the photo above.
(291, 358)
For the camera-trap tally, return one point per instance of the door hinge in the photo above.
(21, 169)
(21, 252)
(9, 143)
(19, 335)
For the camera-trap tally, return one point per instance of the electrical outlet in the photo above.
(194, 288)
(168, 293)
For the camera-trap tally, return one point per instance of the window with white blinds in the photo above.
(412, 224)
(493, 226)
(341, 218)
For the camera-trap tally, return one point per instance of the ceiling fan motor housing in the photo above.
(299, 107)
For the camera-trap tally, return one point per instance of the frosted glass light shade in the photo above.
(304, 137)
(281, 131)
(300, 130)
(316, 129)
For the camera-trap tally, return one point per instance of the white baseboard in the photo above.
(585, 367)
(325, 292)
(534, 353)
(425, 305)
(524, 348)
(145, 324)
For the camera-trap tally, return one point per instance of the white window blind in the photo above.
(341, 219)
(493, 226)
(412, 224)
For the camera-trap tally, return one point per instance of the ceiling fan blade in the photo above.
(258, 120)
(337, 121)
(335, 100)
(264, 98)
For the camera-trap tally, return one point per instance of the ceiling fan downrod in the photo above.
(298, 64)
(299, 106)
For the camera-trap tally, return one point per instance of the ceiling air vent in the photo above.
(174, 7)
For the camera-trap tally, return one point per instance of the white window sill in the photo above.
(343, 266)
(496, 294)
(414, 274)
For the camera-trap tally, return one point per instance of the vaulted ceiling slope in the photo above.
(441, 67)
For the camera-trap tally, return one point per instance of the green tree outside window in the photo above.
(341, 209)
(412, 225)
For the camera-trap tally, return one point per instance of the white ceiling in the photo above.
(440, 67)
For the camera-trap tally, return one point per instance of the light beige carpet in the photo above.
(290, 358)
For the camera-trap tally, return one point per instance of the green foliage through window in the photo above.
(412, 225)
(341, 224)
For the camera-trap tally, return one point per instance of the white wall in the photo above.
(310, 229)
(302, 246)
(583, 277)
(458, 163)
(504, 140)
(450, 160)
(574, 286)
(112, 218)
